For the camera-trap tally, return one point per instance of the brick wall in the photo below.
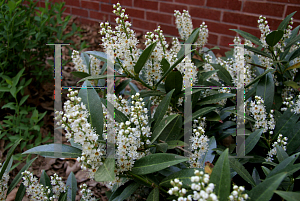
(219, 15)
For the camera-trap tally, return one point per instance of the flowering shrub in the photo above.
(146, 143)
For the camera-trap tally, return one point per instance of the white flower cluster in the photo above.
(296, 108)
(199, 143)
(75, 121)
(207, 67)
(264, 29)
(121, 41)
(236, 194)
(86, 193)
(262, 119)
(156, 100)
(202, 189)
(3, 185)
(289, 102)
(37, 191)
(281, 141)
(80, 66)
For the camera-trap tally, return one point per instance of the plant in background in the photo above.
(149, 144)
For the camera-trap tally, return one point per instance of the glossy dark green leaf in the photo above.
(45, 180)
(295, 54)
(202, 112)
(215, 98)
(274, 37)
(259, 77)
(257, 51)
(106, 171)
(175, 143)
(154, 195)
(223, 74)
(241, 170)
(288, 195)
(131, 188)
(156, 162)
(20, 193)
(71, 186)
(220, 176)
(192, 39)
(284, 165)
(86, 60)
(248, 36)
(150, 93)
(174, 81)
(293, 41)
(165, 65)
(252, 140)
(209, 156)
(172, 130)
(293, 139)
(266, 89)
(144, 58)
(183, 175)
(265, 190)
(255, 176)
(91, 100)
(55, 151)
(122, 86)
(281, 154)
(162, 108)
(161, 147)
(283, 25)
(97, 77)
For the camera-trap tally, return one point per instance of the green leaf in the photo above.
(183, 175)
(24, 98)
(288, 195)
(209, 156)
(19, 176)
(285, 164)
(144, 58)
(293, 138)
(106, 171)
(223, 74)
(119, 116)
(91, 99)
(274, 37)
(252, 140)
(20, 193)
(45, 180)
(259, 77)
(162, 108)
(292, 42)
(257, 51)
(4, 89)
(283, 25)
(117, 192)
(131, 188)
(255, 176)
(55, 151)
(265, 190)
(97, 77)
(295, 54)
(80, 74)
(265, 89)
(248, 36)
(72, 187)
(156, 162)
(192, 39)
(122, 86)
(265, 170)
(165, 65)
(150, 93)
(175, 143)
(162, 126)
(220, 176)
(281, 154)
(215, 98)
(241, 170)
(163, 147)
(201, 112)
(292, 84)
(174, 81)
(154, 195)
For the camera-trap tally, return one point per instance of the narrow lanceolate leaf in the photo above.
(259, 77)
(292, 84)
(274, 37)
(154, 195)
(131, 188)
(215, 98)
(202, 112)
(55, 150)
(183, 175)
(281, 154)
(161, 126)
(257, 51)
(19, 176)
(293, 139)
(144, 58)
(172, 130)
(248, 36)
(150, 93)
(45, 180)
(252, 140)
(293, 41)
(176, 143)
(162, 108)
(288, 195)
(122, 86)
(21, 193)
(91, 100)
(117, 114)
(220, 176)
(283, 25)
(265, 89)
(209, 156)
(241, 170)
(265, 190)
(174, 81)
(106, 171)
(223, 74)
(97, 77)
(255, 176)
(72, 187)
(156, 162)
(192, 39)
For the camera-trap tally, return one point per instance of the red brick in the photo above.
(90, 5)
(158, 17)
(286, 1)
(170, 7)
(213, 38)
(263, 8)
(106, 8)
(225, 4)
(75, 3)
(169, 30)
(151, 5)
(191, 2)
(122, 2)
(221, 51)
(99, 16)
(205, 13)
(88, 21)
(80, 12)
(254, 31)
(291, 9)
(142, 24)
(104, 1)
(216, 27)
(68, 9)
(237, 18)
(273, 23)
(226, 40)
(135, 13)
